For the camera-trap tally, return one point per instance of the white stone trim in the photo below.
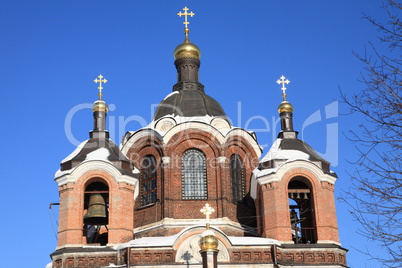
(138, 135)
(297, 164)
(85, 167)
(246, 135)
(166, 160)
(193, 125)
(329, 242)
(221, 159)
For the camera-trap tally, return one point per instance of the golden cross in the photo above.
(283, 82)
(100, 81)
(186, 14)
(207, 210)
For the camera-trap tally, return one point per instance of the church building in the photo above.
(191, 185)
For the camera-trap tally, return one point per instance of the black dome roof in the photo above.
(189, 103)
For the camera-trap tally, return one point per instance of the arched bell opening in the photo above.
(96, 208)
(301, 209)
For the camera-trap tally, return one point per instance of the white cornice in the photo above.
(193, 125)
(87, 166)
(138, 135)
(246, 135)
(297, 164)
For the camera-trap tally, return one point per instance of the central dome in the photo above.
(189, 103)
(188, 98)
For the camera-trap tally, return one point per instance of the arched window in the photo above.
(237, 178)
(96, 204)
(194, 181)
(301, 212)
(148, 180)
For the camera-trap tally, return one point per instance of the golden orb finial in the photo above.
(285, 106)
(208, 242)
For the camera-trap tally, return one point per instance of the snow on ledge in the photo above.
(168, 241)
(75, 152)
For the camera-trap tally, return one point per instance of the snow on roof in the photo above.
(101, 154)
(60, 173)
(251, 241)
(75, 152)
(156, 241)
(98, 154)
(276, 153)
(170, 94)
(136, 171)
(168, 241)
(279, 154)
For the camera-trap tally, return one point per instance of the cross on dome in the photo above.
(186, 14)
(100, 81)
(282, 80)
(207, 210)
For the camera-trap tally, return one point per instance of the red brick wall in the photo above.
(274, 207)
(121, 205)
(169, 176)
(148, 145)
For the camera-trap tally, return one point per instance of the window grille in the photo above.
(148, 180)
(237, 178)
(194, 181)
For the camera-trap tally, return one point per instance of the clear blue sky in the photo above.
(51, 50)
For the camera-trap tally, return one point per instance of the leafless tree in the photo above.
(376, 195)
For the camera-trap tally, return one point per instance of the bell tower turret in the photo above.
(94, 181)
(295, 188)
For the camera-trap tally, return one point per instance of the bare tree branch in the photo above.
(375, 197)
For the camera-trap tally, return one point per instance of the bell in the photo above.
(305, 196)
(97, 212)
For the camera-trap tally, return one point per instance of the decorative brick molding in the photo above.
(85, 259)
(154, 257)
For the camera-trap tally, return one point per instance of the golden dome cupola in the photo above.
(187, 49)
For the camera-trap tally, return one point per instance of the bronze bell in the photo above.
(97, 212)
